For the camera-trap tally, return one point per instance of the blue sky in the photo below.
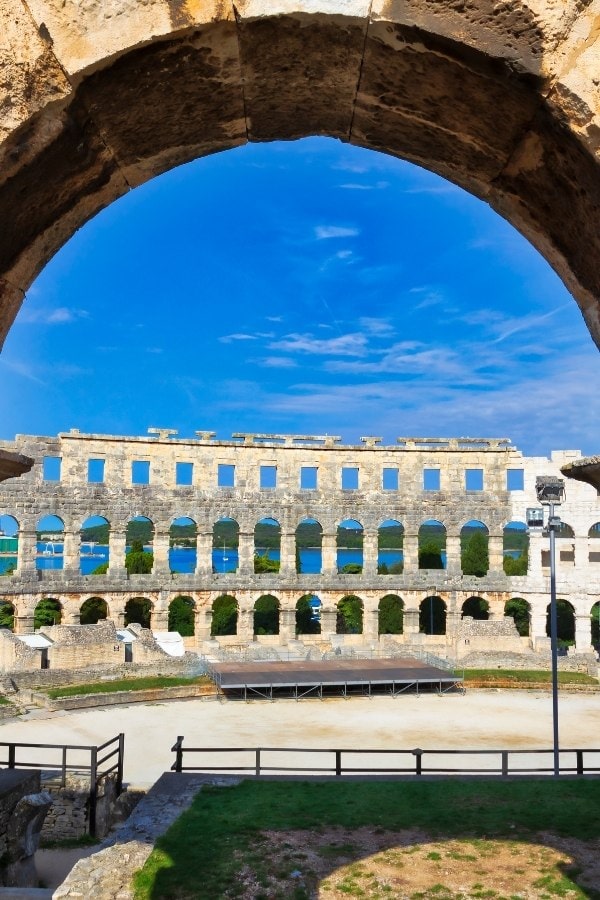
(306, 287)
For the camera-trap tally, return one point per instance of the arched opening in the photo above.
(92, 611)
(9, 545)
(267, 546)
(474, 552)
(349, 543)
(520, 610)
(390, 543)
(226, 540)
(224, 616)
(309, 547)
(432, 616)
(182, 615)
(515, 548)
(50, 543)
(266, 615)
(349, 615)
(139, 550)
(477, 608)
(138, 610)
(432, 545)
(595, 617)
(47, 612)
(7, 615)
(593, 551)
(565, 623)
(391, 615)
(308, 615)
(93, 546)
(182, 546)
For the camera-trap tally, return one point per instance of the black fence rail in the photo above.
(265, 761)
(98, 762)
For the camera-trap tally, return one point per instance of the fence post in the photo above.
(11, 755)
(579, 754)
(93, 788)
(64, 767)
(257, 763)
(338, 763)
(178, 750)
(418, 753)
(505, 762)
(120, 763)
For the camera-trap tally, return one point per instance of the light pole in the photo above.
(551, 492)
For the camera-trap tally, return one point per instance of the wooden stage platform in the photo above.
(317, 678)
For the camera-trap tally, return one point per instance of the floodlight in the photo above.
(550, 490)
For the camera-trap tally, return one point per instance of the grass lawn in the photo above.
(257, 840)
(124, 684)
(525, 676)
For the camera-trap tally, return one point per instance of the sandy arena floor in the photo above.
(477, 720)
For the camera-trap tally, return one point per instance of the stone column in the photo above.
(203, 624)
(583, 634)
(371, 625)
(26, 552)
(246, 553)
(411, 553)
(370, 552)
(581, 546)
(537, 543)
(453, 619)
(70, 614)
(159, 620)
(287, 553)
(118, 617)
(245, 628)
(496, 609)
(287, 625)
(328, 622)
(537, 617)
(496, 553)
(329, 554)
(116, 551)
(24, 624)
(411, 621)
(71, 550)
(204, 548)
(453, 556)
(160, 548)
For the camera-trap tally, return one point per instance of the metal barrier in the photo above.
(104, 760)
(415, 762)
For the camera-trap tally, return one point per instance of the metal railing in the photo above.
(96, 761)
(261, 761)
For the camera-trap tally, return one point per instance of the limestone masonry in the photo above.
(252, 477)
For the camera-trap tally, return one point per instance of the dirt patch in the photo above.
(334, 864)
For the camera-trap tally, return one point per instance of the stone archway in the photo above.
(501, 99)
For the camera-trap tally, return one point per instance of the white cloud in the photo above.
(376, 326)
(277, 362)
(325, 232)
(237, 336)
(62, 315)
(345, 345)
(25, 370)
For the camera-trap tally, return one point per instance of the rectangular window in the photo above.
(51, 468)
(96, 471)
(350, 478)
(389, 480)
(184, 473)
(308, 478)
(474, 479)
(140, 471)
(431, 479)
(268, 477)
(515, 480)
(225, 475)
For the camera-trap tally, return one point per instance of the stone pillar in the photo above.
(24, 624)
(70, 614)
(26, 552)
(203, 624)
(160, 549)
(496, 553)
(411, 553)
(71, 549)
(496, 609)
(204, 548)
(159, 620)
(245, 629)
(118, 617)
(537, 543)
(287, 553)
(328, 621)
(329, 554)
(287, 625)
(411, 621)
(453, 619)
(537, 620)
(116, 551)
(583, 634)
(371, 625)
(246, 553)
(581, 547)
(453, 556)
(370, 552)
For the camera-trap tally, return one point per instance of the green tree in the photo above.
(262, 563)
(138, 561)
(430, 555)
(47, 612)
(519, 610)
(565, 623)
(350, 615)
(266, 615)
(432, 616)
(102, 569)
(351, 569)
(92, 611)
(7, 615)
(475, 558)
(181, 616)
(139, 610)
(305, 624)
(515, 565)
(391, 615)
(224, 616)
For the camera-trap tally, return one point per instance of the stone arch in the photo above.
(308, 615)
(432, 615)
(390, 547)
(350, 615)
(432, 545)
(139, 545)
(182, 615)
(225, 545)
(94, 535)
(139, 609)
(93, 610)
(183, 533)
(50, 542)
(48, 611)
(520, 610)
(594, 531)
(349, 544)
(426, 83)
(565, 622)
(267, 545)
(309, 546)
(9, 544)
(224, 616)
(266, 615)
(391, 615)
(474, 548)
(515, 548)
(595, 623)
(476, 607)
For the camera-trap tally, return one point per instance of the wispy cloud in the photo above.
(326, 232)
(354, 344)
(277, 362)
(376, 326)
(237, 336)
(356, 186)
(62, 315)
(25, 370)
